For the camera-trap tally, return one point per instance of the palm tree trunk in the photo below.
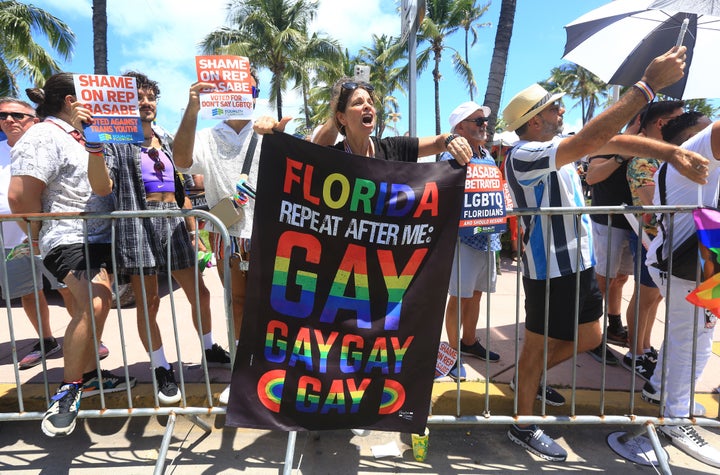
(498, 64)
(436, 80)
(278, 103)
(467, 60)
(99, 22)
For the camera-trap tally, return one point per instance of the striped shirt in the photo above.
(535, 181)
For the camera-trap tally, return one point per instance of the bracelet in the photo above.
(94, 148)
(449, 139)
(646, 90)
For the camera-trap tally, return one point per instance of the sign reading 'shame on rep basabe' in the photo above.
(349, 271)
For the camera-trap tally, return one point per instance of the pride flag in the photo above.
(707, 222)
(707, 295)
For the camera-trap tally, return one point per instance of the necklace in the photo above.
(370, 152)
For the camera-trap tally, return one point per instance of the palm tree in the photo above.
(444, 17)
(472, 13)
(99, 21)
(498, 64)
(313, 53)
(385, 75)
(273, 34)
(579, 83)
(20, 55)
(318, 104)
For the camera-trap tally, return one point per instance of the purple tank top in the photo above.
(157, 171)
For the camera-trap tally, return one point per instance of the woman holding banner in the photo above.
(354, 116)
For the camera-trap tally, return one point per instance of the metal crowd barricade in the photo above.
(641, 424)
(190, 411)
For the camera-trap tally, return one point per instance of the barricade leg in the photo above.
(634, 447)
(162, 455)
(290, 452)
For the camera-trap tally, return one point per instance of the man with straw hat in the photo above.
(541, 173)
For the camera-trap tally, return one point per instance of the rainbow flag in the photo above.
(707, 295)
(707, 222)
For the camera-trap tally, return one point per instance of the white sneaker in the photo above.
(687, 439)
(360, 432)
(224, 396)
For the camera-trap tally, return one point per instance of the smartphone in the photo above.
(362, 73)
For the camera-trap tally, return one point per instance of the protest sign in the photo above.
(113, 102)
(348, 279)
(484, 204)
(232, 97)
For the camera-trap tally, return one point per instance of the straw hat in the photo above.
(465, 110)
(527, 104)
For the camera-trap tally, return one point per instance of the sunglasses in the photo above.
(14, 115)
(255, 92)
(479, 121)
(155, 156)
(351, 86)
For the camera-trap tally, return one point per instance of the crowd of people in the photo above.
(48, 167)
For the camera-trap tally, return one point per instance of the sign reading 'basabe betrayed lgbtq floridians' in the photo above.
(349, 272)
(232, 97)
(113, 102)
(487, 200)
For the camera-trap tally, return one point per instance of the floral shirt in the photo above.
(640, 173)
(49, 153)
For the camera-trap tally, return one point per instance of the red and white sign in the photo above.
(232, 97)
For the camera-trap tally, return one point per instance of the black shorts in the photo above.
(63, 259)
(562, 304)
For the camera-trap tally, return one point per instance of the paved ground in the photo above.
(131, 446)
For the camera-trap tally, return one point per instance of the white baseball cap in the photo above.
(465, 110)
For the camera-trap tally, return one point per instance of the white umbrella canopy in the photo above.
(617, 41)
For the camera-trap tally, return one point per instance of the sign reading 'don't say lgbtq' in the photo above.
(232, 97)
(113, 102)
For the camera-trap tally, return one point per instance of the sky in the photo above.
(160, 38)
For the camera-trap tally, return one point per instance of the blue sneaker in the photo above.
(454, 372)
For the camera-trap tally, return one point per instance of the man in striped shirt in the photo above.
(541, 172)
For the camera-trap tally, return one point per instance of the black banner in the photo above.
(349, 270)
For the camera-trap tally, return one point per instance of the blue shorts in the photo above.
(645, 278)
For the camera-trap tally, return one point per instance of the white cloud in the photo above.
(353, 27)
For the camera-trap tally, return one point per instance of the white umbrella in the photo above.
(617, 41)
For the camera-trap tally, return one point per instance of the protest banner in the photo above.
(113, 102)
(486, 200)
(232, 97)
(348, 279)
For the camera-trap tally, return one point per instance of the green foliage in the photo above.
(579, 83)
(274, 35)
(444, 18)
(20, 54)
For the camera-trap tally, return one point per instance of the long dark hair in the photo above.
(51, 97)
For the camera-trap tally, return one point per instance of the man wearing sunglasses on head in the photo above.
(142, 177)
(223, 154)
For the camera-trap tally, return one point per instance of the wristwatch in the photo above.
(619, 159)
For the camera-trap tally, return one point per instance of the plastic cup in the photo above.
(420, 445)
